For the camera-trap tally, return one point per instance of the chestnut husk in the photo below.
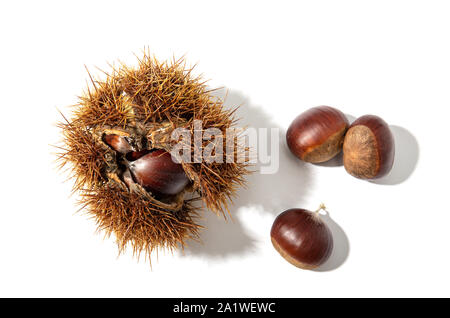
(143, 105)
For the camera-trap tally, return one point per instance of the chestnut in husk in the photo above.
(120, 123)
(369, 148)
(302, 238)
(152, 169)
(118, 143)
(317, 135)
(158, 173)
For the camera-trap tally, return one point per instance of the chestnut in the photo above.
(158, 173)
(302, 238)
(118, 143)
(369, 148)
(134, 155)
(317, 134)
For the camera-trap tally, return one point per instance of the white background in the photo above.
(389, 58)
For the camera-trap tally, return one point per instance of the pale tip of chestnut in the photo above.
(317, 134)
(369, 148)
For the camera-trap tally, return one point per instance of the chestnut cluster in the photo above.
(320, 133)
(316, 136)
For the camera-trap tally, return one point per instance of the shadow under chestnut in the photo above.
(268, 193)
(406, 157)
(341, 246)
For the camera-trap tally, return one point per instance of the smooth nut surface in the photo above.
(302, 238)
(317, 135)
(157, 172)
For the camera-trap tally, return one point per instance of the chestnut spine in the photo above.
(123, 117)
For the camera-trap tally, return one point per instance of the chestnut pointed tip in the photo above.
(117, 143)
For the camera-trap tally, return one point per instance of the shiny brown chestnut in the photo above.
(369, 148)
(158, 173)
(317, 134)
(302, 238)
(118, 143)
(135, 155)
